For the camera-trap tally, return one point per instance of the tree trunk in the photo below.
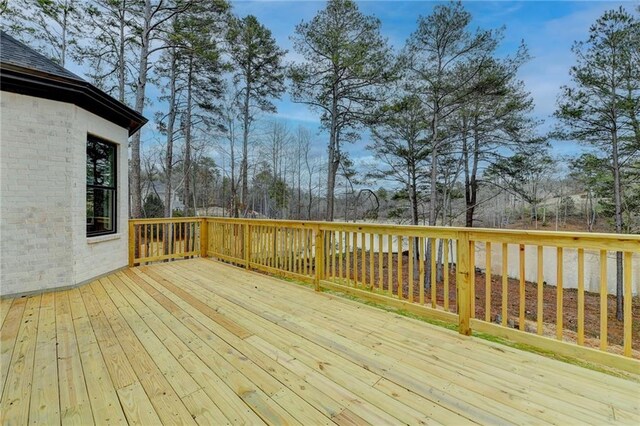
(334, 157)
(617, 198)
(473, 177)
(187, 142)
(136, 196)
(244, 167)
(63, 43)
(168, 211)
(413, 196)
(121, 45)
(433, 201)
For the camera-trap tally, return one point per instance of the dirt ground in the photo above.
(569, 302)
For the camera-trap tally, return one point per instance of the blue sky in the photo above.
(549, 28)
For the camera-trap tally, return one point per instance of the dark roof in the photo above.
(25, 71)
(15, 53)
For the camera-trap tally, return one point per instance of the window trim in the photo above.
(114, 188)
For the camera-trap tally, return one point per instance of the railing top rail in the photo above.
(166, 220)
(562, 234)
(609, 241)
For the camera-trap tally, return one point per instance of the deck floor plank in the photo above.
(485, 363)
(103, 397)
(475, 404)
(201, 342)
(388, 343)
(8, 335)
(162, 396)
(45, 405)
(75, 406)
(17, 393)
(231, 347)
(359, 391)
(5, 306)
(191, 352)
(250, 379)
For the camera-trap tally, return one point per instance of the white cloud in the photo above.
(550, 45)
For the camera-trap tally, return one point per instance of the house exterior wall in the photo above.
(43, 243)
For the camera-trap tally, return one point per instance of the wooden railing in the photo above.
(526, 286)
(153, 240)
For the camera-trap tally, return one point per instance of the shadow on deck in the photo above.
(199, 341)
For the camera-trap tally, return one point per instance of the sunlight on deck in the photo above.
(199, 341)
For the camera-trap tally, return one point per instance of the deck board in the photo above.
(479, 373)
(202, 342)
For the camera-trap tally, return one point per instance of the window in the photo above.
(101, 187)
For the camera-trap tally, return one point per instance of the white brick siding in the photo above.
(43, 243)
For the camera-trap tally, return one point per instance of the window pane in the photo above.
(100, 214)
(100, 163)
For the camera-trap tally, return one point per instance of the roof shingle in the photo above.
(16, 53)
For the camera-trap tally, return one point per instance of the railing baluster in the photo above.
(487, 285)
(445, 243)
(297, 257)
(604, 299)
(472, 277)
(421, 269)
(309, 249)
(287, 244)
(347, 250)
(523, 289)
(146, 241)
(154, 242)
(268, 246)
(540, 313)
(332, 249)
(390, 264)
(247, 245)
(371, 263)
(276, 249)
(627, 297)
(400, 267)
(139, 243)
(363, 259)
(340, 250)
(581, 296)
(505, 284)
(132, 244)
(380, 263)
(301, 233)
(559, 292)
(410, 266)
(434, 289)
(355, 259)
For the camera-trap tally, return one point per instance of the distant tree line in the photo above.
(446, 117)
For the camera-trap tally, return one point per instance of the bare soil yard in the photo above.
(569, 302)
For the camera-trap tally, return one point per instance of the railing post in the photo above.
(463, 284)
(204, 237)
(247, 244)
(319, 257)
(132, 244)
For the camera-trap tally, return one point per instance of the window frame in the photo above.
(114, 188)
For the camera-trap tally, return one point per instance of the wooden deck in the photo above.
(202, 342)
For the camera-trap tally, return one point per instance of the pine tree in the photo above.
(601, 108)
(346, 63)
(444, 58)
(399, 134)
(258, 77)
(53, 27)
